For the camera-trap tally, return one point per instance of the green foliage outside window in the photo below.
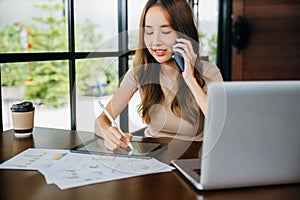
(47, 82)
(10, 37)
(213, 43)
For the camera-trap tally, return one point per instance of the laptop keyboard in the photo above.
(198, 171)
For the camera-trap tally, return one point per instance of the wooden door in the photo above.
(273, 49)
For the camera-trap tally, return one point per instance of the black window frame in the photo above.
(72, 55)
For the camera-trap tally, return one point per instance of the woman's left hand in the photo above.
(185, 48)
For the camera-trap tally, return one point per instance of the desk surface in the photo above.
(20, 184)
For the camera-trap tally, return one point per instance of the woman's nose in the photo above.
(156, 39)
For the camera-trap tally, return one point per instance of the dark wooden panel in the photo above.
(257, 63)
(270, 2)
(273, 50)
(237, 58)
(267, 25)
(258, 68)
(279, 38)
(269, 75)
(273, 11)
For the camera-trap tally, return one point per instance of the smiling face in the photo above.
(159, 36)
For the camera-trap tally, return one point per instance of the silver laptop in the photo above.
(251, 136)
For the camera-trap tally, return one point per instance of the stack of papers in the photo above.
(67, 170)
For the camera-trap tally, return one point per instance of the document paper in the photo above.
(68, 170)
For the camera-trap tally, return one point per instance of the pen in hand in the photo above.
(113, 122)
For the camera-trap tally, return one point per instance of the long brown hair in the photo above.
(147, 69)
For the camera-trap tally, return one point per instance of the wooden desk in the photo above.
(20, 184)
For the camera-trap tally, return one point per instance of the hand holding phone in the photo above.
(179, 60)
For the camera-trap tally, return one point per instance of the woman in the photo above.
(173, 103)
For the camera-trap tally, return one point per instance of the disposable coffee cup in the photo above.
(23, 118)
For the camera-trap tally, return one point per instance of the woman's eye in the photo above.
(149, 33)
(166, 32)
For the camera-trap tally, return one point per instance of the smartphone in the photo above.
(179, 60)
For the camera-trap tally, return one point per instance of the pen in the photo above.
(113, 122)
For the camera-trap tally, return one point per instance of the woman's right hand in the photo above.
(113, 139)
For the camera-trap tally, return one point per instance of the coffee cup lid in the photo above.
(22, 107)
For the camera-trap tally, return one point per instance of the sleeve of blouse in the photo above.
(129, 81)
(211, 73)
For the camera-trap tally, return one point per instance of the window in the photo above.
(36, 28)
(96, 79)
(32, 24)
(61, 55)
(96, 25)
(208, 27)
(65, 54)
